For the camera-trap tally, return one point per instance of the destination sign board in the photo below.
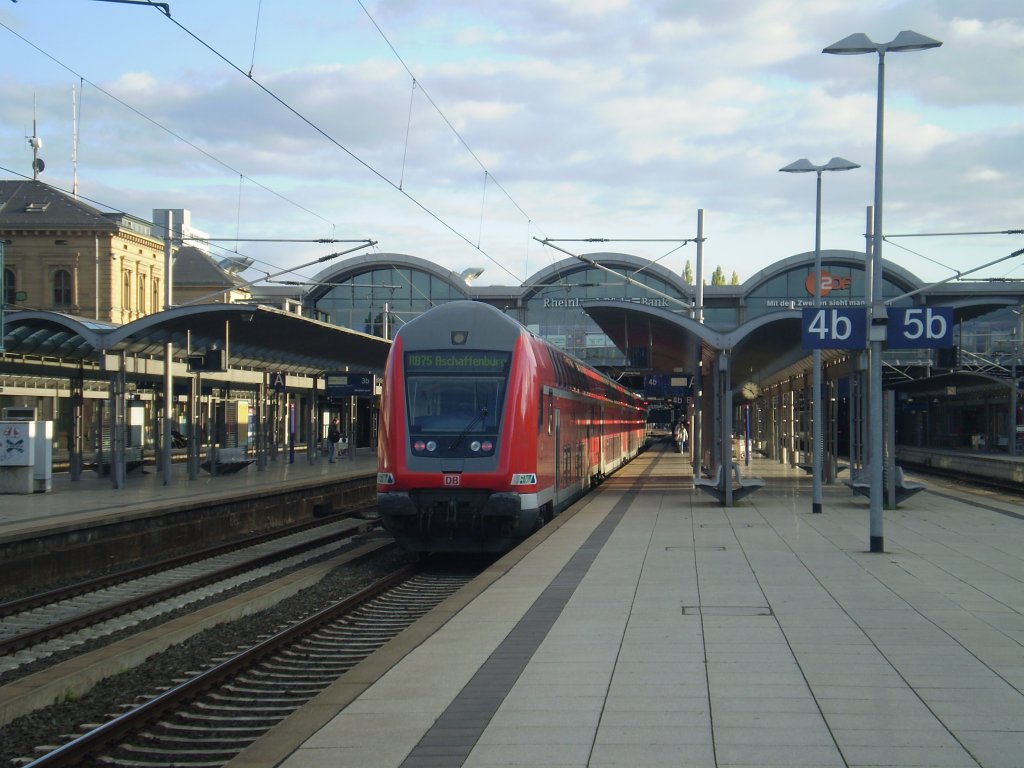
(348, 384)
(461, 361)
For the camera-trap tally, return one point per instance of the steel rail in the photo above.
(75, 753)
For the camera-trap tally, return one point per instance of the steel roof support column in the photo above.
(166, 441)
(724, 397)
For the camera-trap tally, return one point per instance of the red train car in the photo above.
(487, 431)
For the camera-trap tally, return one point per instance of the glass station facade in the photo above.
(378, 294)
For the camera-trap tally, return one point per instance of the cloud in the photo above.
(590, 118)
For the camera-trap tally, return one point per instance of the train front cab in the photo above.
(463, 470)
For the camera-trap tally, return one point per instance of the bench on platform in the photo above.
(860, 482)
(715, 486)
(745, 485)
(712, 485)
(226, 461)
(133, 459)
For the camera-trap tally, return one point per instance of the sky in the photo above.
(467, 131)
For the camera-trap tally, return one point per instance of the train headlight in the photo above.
(487, 445)
(474, 446)
(419, 446)
(431, 446)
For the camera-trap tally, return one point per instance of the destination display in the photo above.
(348, 384)
(447, 361)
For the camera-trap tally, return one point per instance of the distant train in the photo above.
(487, 431)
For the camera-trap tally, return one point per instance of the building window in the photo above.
(62, 288)
(126, 292)
(156, 294)
(10, 285)
(142, 294)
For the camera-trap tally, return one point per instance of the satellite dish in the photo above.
(38, 165)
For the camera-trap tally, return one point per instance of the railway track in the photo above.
(37, 627)
(210, 717)
(954, 480)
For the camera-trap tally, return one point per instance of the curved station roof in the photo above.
(617, 311)
(256, 337)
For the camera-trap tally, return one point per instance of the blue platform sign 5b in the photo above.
(834, 328)
(919, 327)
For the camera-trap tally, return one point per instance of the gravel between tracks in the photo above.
(52, 725)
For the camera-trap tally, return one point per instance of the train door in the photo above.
(557, 413)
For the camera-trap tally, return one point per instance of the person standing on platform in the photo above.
(333, 436)
(684, 438)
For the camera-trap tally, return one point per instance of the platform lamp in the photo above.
(806, 166)
(855, 44)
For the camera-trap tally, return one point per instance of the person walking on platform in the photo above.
(680, 437)
(333, 436)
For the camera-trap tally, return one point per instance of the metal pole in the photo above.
(96, 249)
(313, 439)
(697, 434)
(3, 295)
(1011, 442)
(816, 447)
(876, 329)
(165, 454)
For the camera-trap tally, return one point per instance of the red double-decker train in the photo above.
(487, 431)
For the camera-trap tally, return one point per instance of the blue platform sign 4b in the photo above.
(919, 327)
(834, 328)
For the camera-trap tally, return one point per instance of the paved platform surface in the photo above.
(94, 499)
(652, 627)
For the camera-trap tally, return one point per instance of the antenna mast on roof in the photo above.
(36, 143)
(74, 144)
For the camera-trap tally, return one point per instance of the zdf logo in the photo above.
(829, 283)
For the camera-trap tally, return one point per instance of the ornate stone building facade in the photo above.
(61, 254)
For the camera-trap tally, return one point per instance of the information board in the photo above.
(920, 328)
(834, 328)
(348, 384)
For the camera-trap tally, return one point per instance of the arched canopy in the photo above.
(257, 337)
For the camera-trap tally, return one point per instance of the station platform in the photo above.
(92, 500)
(650, 626)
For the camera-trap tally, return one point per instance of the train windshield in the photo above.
(455, 392)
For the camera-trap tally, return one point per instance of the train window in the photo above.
(540, 410)
(450, 392)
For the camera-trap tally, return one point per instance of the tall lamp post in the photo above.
(806, 166)
(855, 44)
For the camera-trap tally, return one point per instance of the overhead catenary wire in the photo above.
(241, 174)
(162, 127)
(444, 117)
(324, 134)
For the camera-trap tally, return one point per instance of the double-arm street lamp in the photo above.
(852, 45)
(806, 166)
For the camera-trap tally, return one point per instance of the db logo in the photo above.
(828, 283)
(450, 480)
